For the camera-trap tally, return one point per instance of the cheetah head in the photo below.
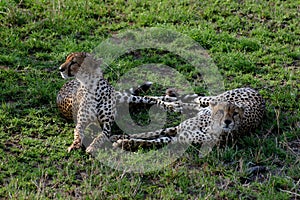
(80, 65)
(226, 116)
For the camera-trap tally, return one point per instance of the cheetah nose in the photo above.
(227, 121)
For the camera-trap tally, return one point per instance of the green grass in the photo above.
(253, 44)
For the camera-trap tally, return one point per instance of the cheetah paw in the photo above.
(120, 143)
(174, 106)
(91, 149)
(73, 147)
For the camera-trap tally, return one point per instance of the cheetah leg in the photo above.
(168, 106)
(134, 144)
(78, 136)
(164, 98)
(167, 132)
(145, 140)
(99, 141)
(183, 98)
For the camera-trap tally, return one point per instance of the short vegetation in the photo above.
(253, 44)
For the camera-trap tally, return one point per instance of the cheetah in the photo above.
(91, 98)
(229, 114)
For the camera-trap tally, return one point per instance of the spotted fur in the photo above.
(231, 113)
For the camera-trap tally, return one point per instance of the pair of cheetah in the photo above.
(90, 97)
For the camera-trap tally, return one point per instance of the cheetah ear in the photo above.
(212, 104)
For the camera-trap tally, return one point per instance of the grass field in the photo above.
(253, 43)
